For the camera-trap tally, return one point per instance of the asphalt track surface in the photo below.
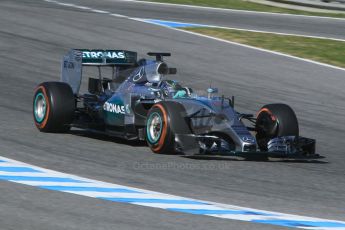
(33, 37)
(324, 27)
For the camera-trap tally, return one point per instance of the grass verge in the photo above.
(245, 5)
(321, 50)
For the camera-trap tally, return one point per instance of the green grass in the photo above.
(321, 50)
(245, 5)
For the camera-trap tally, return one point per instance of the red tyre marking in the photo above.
(165, 127)
(44, 122)
(267, 111)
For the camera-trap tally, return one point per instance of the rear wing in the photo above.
(108, 57)
(75, 59)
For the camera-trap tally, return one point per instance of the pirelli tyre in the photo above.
(164, 120)
(53, 107)
(274, 120)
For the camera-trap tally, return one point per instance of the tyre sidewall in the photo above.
(165, 140)
(286, 123)
(60, 103)
(42, 124)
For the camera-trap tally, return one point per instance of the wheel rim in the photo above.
(40, 107)
(154, 127)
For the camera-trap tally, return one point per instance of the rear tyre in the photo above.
(164, 120)
(53, 107)
(275, 120)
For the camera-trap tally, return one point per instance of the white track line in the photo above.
(153, 199)
(247, 46)
(179, 206)
(265, 50)
(210, 37)
(229, 10)
(83, 7)
(70, 184)
(123, 195)
(100, 11)
(150, 20)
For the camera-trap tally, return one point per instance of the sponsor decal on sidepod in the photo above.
(114, 108)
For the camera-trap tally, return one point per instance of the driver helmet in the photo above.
(170, 87)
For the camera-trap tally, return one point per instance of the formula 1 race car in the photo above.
(136, 102)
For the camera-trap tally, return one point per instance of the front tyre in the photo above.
(164, 120)
(275, 120)
(53, 107)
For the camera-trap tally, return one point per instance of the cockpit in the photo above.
(149, 72)
(152, 75)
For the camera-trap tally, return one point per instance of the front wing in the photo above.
(280, 147)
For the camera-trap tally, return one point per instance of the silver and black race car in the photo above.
(135, 101)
